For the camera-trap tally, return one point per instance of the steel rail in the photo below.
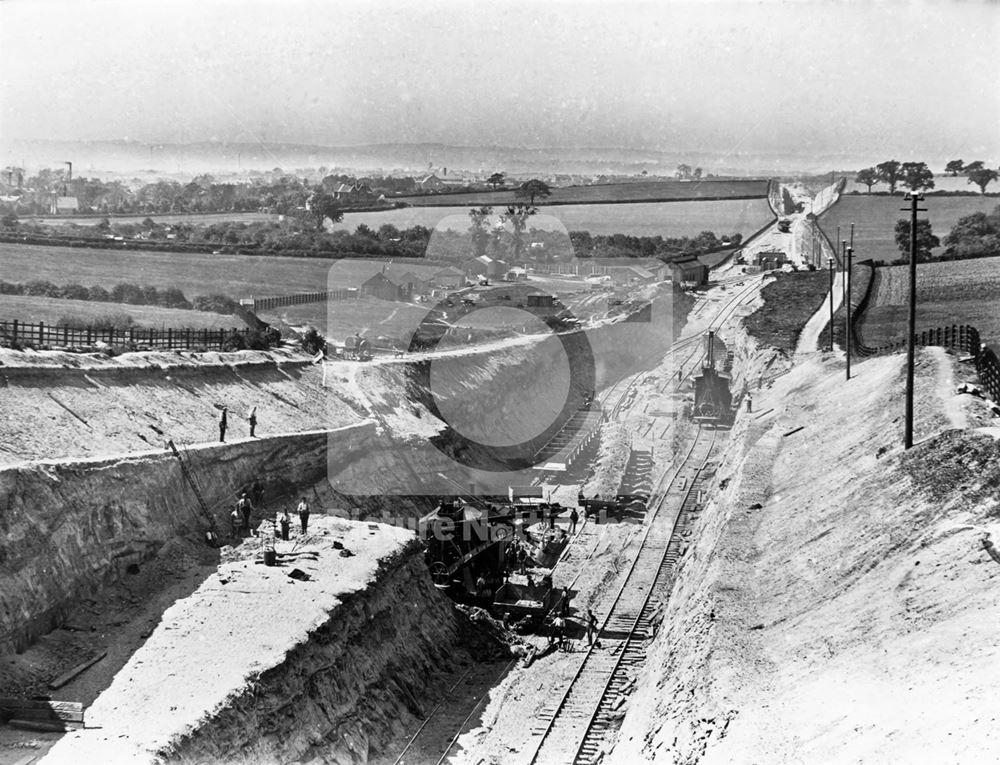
(645, 610)
(621, 591)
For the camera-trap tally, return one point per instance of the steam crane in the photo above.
(712, 396)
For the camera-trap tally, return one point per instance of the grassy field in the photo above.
(668, 219)
(642, 191)
(193, 218)
(80, 313)
(953, 292)
(195, 274)
(875, 220)
(337, 319)
(789, 302)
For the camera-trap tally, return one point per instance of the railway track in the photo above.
(576, 726)
(690, 346)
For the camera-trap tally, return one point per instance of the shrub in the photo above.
(102, 323)
(126, 292)
(216, 303)
(312, 341)
(74, 292)
(99, 294)
(173, 298)
(10, 288)
(252, 340)
(41, 288)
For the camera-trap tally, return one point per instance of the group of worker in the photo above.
(224, 423)
(242, 514)
(560, 618)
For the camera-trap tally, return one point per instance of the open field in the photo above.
(195, 274)
(954, 292)
(162, 218)
(79, 313)
(337, 319)
(668, 219)
(875, 220)
(789, 301)
(605, 193)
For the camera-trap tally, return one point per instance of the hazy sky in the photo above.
(916, 78)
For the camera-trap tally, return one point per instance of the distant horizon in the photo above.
(121, 156)
(766, 86)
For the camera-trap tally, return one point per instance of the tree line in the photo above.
(916, 176)
(124, 293)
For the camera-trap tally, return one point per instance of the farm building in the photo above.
(65, 205)
(484, 266)
(541, 301)
(661, 271)
(448, 277)
(689, 271)
(354, 193)
(385, 288)
(630, 275)
(414, 284)
(770, 260)
(430, 183)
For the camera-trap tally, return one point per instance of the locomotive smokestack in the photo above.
(710, 352)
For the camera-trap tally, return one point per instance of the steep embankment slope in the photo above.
(836, 604)
(58, 405)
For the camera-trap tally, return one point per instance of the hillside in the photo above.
(831, 607)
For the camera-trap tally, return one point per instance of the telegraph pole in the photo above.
(815, 260)
(848, 252)
(911, 322)
(829, 264)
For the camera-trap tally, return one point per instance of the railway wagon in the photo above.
(524, 603)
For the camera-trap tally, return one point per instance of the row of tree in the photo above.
(124, 292)
(976, 172)
(973, 236)
(284, 194)
(916, 176)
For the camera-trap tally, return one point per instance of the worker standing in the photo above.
(245, 506)
(564, 605)
(235, 521)
(574, 516)
(749, 403)
(222, 426)
(303, 510)
(285, 522)
(591, 627)
(253, 422)
(559, 630)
